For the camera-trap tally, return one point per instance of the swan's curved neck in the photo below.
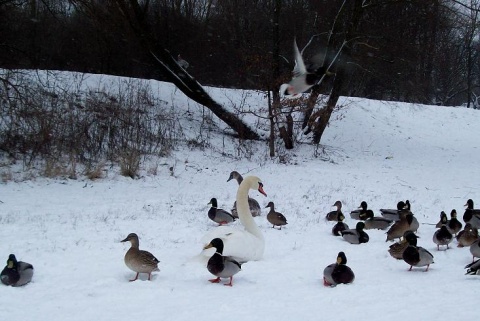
(244, 213)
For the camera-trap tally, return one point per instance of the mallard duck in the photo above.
(338, 272)
(138, 260)
(442, 236)
(406, 223)
(467, 236)
(471, 215)
(414, 225)
(255, 208)
(454, 225)
(394, 214)
(275, 218)
(332, 215)
(375, 222)
(408, 205)
(415, 255)
(340, 226)
(355, 214)
(470, 205)
(221, 266)
(443, 218)
(473, 268)
(304, 77)
(362, 213)
(475, 249)
(407, 210)
(219, 215)
(16, 273)
(241, 244)
(396, 249)
(357, 235)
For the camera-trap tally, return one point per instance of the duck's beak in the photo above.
(208, 246)
(125, 240)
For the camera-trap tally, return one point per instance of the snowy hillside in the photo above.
(380, 152)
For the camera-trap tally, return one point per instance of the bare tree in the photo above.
(471, 32)
(136, 15)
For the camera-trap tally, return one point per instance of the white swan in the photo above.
(242, 245)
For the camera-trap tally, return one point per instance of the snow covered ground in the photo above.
(380, 152)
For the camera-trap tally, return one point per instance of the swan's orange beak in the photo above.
(260, 189)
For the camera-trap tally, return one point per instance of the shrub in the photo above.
(59, 120)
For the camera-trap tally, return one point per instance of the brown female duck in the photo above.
(137, 260)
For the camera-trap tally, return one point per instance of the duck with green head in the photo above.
(221, 266)
(338, 272)
(340, 226)
(395, 214)
(357, 235)
(443, 218)
(16, 273)
(362, 213)
(471, 215)
(443, 236)
(416, 255)
(219, 215)
(454, 225)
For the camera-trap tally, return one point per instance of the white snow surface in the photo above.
(380, 152)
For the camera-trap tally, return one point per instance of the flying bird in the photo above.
(304, 77)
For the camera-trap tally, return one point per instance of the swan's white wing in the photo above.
(220, 232)
(299, 68)
(239, 244)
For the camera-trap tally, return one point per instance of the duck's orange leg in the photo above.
(217, 280)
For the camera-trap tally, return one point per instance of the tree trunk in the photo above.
(287, 139)
(325, 114)
(271, 141)
(162, 58)
(285, 133)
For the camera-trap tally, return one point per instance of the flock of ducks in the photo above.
(227, 248)
(402, 225)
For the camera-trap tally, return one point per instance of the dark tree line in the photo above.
(422, 51)
(418, 51)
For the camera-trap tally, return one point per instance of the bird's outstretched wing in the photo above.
(299, 68)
